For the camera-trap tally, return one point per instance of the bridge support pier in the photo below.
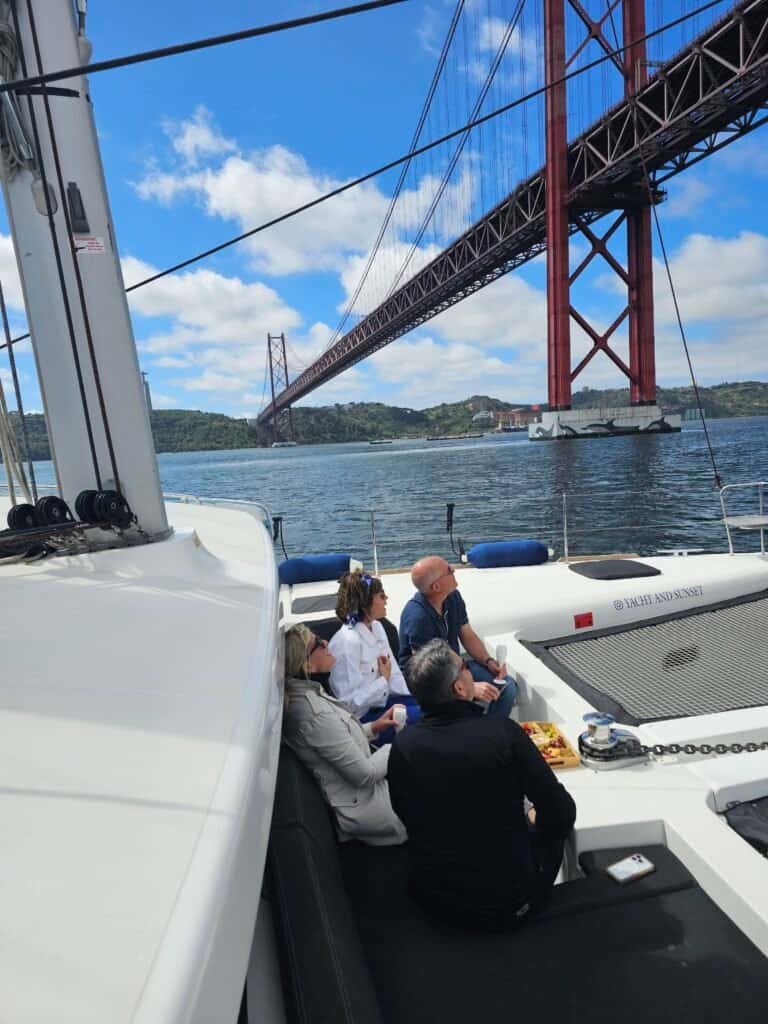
(637, 277)
(282, 421)
(642, 358)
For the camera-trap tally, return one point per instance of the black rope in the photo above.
(672, 289)
(73, 254)
(198, 44)
(26, 450)
(59, 264)
(427, 147)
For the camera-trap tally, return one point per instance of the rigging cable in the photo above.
(73, 254)
(197, 44)
(668, 270)
(47, 194)
(427, 147)
(404, 170)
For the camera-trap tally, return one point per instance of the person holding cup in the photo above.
(335, 747)
(366, 675)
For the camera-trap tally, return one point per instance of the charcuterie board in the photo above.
(551, 744)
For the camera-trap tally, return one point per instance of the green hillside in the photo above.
(184, 430)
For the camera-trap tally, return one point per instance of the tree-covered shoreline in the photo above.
(186, 430)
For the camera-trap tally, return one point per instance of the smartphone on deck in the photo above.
(630, 868)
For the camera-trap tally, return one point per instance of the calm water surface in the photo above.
(623, 494)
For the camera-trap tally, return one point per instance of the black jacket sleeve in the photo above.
(555, 809)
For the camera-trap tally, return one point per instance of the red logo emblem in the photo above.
(583, 620)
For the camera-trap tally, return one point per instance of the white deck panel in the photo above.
(139, 723)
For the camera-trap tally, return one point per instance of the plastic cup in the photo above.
(399, 716)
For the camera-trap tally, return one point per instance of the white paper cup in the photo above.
(399, 715)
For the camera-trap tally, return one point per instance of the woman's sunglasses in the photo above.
(316, 642)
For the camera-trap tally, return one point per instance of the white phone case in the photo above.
(630, 868)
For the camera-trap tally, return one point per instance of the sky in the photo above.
(201, 147)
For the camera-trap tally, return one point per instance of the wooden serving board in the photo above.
(551, 744)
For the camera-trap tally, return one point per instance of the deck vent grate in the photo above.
(704, 662)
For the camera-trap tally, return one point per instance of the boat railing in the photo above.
(741, 521)
(253, 508)
(565, 521)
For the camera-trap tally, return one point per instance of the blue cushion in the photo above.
(313, 568)
(495, 554)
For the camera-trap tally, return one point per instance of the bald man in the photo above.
(437, 612)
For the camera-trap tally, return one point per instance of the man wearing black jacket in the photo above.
(457, 780)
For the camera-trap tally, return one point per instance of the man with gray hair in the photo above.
(437, 612)
(458, 781)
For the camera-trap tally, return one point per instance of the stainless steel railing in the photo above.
(745, 522)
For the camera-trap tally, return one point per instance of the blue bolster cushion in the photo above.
(313, 568)
(495, 554)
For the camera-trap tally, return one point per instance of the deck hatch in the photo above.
(702, 662)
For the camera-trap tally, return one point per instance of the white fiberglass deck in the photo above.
(672, 800)
(139, 724)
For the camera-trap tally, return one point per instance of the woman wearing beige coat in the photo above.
(335, 747)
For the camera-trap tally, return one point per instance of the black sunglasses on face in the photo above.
(316, 642)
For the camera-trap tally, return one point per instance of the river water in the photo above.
(623, 494)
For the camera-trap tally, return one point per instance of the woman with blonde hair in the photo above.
(335, 747)
(366, 674)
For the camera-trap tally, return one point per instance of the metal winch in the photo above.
(604, 747)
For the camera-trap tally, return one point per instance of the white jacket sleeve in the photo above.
(329, 737)
(347, 680)
(397, 683)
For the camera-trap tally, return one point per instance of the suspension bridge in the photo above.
(706, 87)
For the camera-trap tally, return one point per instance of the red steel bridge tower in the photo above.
(282, 421)
(637, 275)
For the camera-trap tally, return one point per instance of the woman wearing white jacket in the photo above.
(335, 747)
(366, 675)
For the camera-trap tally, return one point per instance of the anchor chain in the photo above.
(660, 749)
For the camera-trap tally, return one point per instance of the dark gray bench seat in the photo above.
(355, 948)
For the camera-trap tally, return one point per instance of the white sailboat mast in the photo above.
(67, 254)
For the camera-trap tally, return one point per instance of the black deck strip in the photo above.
(606, 958)
(613, 569)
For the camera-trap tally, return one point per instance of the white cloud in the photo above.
(508, 313)
(520, 59)
(197, 137)
(206, 308)
(430, 30)
(686, 194)
(160, 401)
(716, 279)
(9, 275)
(266, 184)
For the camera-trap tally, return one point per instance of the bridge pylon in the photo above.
(282, 421)
(634, 212)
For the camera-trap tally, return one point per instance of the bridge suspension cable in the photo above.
(447, 174)
(425, 148)
(459, 9)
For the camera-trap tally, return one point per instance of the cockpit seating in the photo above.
(354, 949)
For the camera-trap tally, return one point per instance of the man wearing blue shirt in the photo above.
(437, 612)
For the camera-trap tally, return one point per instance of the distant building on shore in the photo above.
(516, 418)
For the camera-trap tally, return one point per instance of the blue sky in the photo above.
(200, 147)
